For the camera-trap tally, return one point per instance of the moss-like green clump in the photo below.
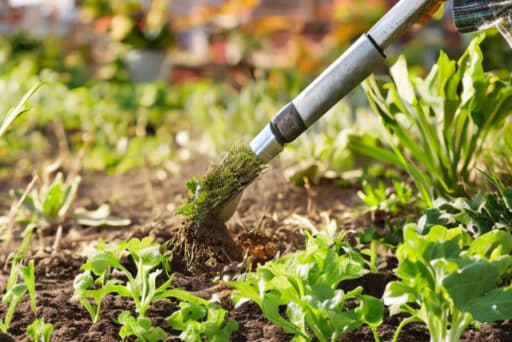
(221, 183)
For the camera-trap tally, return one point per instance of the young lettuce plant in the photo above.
(447, 280)
(95, 282)
(391, 201)
(199, 319)
(139, 327)
(39, 331)
(306, 284)
(438, 125)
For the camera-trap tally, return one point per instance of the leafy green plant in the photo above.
(51, 203)
(300, 291)
(95, 282)
(199, 319)
(39, 331)
(478, 215)
(391, 200)
(447, 280)
(15, 290)
(438, 125)
(139, 327)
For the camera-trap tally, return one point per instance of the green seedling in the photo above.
(139, 327)
(438, 125)
(39, 331)
(50, 203)
(447, 280)
(200, 320)
(221, 183)
(95, 282)
(21, 108)
(392, 201)
(300, 291)
(15, 291)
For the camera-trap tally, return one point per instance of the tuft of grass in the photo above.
(221, 183)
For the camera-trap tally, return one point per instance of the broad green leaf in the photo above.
(101, 261)
(397, 293)
(493, 306)
(83, 281)
(472, 281)
(371, 310)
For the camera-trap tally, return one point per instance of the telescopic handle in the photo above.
(343, 75)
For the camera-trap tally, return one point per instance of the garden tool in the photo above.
(474, 15)
(357, 63)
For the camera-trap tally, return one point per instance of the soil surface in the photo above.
(271, 218)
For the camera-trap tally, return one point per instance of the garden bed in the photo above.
(269, 223)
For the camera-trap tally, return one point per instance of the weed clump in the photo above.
(221, 183)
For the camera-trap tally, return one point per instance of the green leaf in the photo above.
(492, 244)
(472, 281)
(30, 281)
(21, 108)
(371, 310)
(140, 328)
(496, 305)
(101, 261)
(40, 331)
(54, 198)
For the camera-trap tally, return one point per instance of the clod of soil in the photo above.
(199, 248)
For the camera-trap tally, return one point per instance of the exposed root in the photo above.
(194, 248)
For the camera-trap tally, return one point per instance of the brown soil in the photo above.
(270, 220)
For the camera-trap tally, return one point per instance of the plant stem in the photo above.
(375, 333)
(402, 324)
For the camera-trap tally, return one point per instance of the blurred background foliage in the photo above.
(234, 63)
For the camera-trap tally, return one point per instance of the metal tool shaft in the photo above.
(349, 70)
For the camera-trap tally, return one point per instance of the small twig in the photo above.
(15, 207)
(311, 203)
(58, 238)
(260, 222)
